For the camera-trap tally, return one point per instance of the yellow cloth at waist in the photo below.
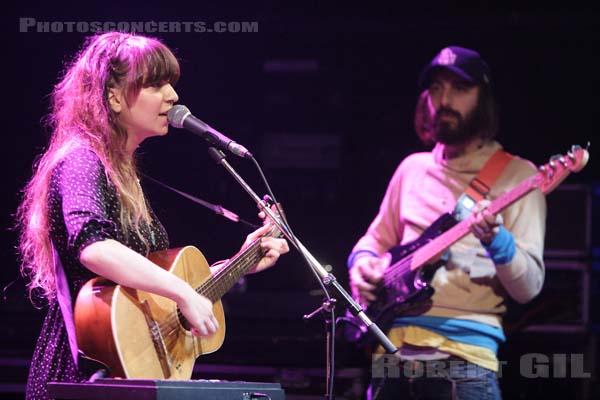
(416, 336)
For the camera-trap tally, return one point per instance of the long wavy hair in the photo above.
(80, 116)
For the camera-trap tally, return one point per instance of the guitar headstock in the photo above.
(278, 212)
(560, 166)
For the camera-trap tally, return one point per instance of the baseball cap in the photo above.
(464, 62)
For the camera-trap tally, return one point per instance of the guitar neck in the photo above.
(429, 251)
(217, 285)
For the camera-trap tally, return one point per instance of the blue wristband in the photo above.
(502, 249)
(354, 255)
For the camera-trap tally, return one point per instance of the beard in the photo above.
(454, 130)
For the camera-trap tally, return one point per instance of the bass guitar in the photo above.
(405, 286)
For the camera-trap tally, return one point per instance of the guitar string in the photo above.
(399, 269)
(171, 336)
(208, 287)
(403, 266)
(170, 327)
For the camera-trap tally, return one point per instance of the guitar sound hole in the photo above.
(184, 322)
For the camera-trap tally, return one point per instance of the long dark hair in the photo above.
(485, 116)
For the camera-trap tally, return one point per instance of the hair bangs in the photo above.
(160, 67)
(150, 63)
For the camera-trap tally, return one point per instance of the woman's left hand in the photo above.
(273, 247)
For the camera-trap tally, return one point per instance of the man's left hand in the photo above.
(273, 247)
(483, 223)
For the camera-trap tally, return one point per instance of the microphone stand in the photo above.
(327, 278)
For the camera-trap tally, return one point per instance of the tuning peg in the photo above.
(268, 200)
(558, 157)
(553, 160)
(576, 148)
(548, 172)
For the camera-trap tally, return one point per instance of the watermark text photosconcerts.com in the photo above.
(31, 25)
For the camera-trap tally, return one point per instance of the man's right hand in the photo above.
(366, 272)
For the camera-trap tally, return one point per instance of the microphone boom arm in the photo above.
(328, 278)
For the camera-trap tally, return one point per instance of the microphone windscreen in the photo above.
(177, 115)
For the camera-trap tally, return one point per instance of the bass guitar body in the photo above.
(402, 293)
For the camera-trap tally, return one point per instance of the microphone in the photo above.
(180, 116)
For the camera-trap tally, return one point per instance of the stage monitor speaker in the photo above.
(563, 305)
(134, 389)
(568, 226)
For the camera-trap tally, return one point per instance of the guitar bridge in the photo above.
(157, 340)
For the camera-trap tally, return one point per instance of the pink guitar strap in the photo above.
(480, 186)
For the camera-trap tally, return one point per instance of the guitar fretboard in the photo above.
(427, 252)
(216, 286)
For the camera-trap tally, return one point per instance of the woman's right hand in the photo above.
(197, 310)
(107, 257)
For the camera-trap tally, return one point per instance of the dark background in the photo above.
(329, 131)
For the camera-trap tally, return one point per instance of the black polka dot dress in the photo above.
(83, 209)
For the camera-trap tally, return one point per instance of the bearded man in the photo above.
(449, 351)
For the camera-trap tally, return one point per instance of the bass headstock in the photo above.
(560, 166)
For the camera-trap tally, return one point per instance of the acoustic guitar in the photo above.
(137, 334)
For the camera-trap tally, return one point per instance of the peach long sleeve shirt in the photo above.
(426, 185)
